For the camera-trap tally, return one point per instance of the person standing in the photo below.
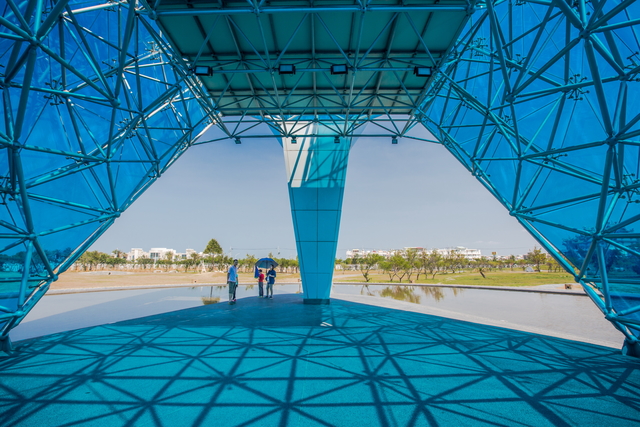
(232, 281)
(260, 283)
(271, 280)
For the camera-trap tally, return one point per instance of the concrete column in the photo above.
(317, 168)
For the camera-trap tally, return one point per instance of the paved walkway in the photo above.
(281, 363)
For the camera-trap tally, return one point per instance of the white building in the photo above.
(362, 252)
(136, 253)
(468, 253)
(158, 254)
(355, 253)
(187, 254)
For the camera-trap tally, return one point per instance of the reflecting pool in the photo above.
(64, 312)
(573, 315)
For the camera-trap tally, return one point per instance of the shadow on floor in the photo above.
(281, 363)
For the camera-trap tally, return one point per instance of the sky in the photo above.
(397, 195)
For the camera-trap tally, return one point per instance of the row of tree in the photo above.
(402, 265)
(213, 259)
(95, 260)
(412, 262)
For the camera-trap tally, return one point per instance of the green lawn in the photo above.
(494, 278)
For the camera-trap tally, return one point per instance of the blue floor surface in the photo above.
(281, 363)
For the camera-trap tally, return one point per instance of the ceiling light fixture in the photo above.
(423, 71)
(202, 70)
(339, 69)
(287, 69)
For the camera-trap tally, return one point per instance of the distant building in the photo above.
(468, 253)
(137, 253)
(158, 254)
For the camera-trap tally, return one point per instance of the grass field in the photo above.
(495, 278)
(102, 279)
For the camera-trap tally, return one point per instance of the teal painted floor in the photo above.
(281, 363)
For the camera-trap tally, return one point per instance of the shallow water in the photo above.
(570, 314)
(574, 315)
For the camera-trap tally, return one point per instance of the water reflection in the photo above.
(207, 300)
(435, 293)
(410, 293)
(213, 294)
(366, 291)
(438, 293)
(575, 315)
(401, 293)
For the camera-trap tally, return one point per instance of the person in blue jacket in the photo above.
(271, 279)
(232, 281)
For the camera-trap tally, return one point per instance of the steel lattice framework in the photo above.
(96, 107)
(534, 97)
(537, 101)
(245, 43)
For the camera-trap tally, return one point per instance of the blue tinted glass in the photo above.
(86, 151)
(528, 107)
(541, 112)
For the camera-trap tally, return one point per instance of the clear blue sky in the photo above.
(409, 194)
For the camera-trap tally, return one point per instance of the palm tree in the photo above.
(119, 254)
(213, 249)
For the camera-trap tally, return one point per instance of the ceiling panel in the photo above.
(380, 44)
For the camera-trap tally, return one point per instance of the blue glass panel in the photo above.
(328, 225)
(83, 102)
(308, 256)
(11, 214)
(38, 266)
(58, 246)
(558, 116)
(9, 301)
(527, 106)
(95, 122)
(307, 223)
(306, 198)
(625, 297)
(329, 196)
(317, 172)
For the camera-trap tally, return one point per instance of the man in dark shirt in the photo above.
(271, 279)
